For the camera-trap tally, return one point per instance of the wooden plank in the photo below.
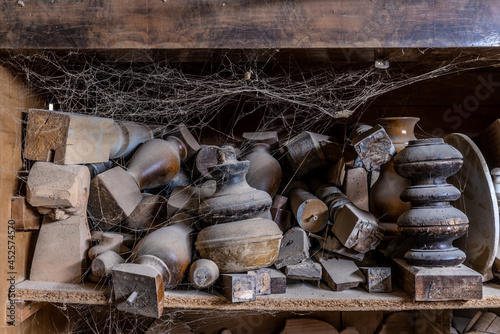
(299, 296)
(13, 99)
(19, 311)
(259, 24)
(25, 216)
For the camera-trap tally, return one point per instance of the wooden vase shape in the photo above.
(168, 250)
(432, 221)
(264, 172)
(234, 199)
(157, 162)
(385, 202)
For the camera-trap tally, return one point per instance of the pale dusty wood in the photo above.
(340, 274)
(237, 287)
(103, 264)
(307, 325)
(294, 248)
(24, 242)
(22, 311)
(364, 322)
(108, 242)
(300, 296)
(378, 279)
(25, 216)
(307, 270)
(14, 98)
(356, 187)
(262, 281)
(311, 213)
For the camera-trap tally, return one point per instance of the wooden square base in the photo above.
(438, 283)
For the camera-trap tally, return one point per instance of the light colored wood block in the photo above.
(356, 187)
(340, 274)
(25, 216)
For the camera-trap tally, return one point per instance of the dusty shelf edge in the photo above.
(299, 297)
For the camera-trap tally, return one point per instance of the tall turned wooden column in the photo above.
(434, 223)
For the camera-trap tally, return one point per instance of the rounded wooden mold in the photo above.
(240, 246)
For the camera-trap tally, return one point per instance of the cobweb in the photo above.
(217, 100)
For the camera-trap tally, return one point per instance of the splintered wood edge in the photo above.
(299, 297)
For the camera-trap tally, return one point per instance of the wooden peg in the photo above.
(294, 248)
(103, 264)
(66, 138)
(25, 217)
(237, 287)
(203, 273)
(311, 213)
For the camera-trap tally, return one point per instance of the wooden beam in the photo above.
(180, 24)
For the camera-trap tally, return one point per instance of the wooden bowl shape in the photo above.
(240, 246)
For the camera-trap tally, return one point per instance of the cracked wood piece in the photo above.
(307, 270)
(374, 147)
(278, 281)
(356, 187)
(66, 138)
(378, 279)
(237, 287)
(439, 283)
(294, 248)
(340, 274)
(357, 229)
(26, 218)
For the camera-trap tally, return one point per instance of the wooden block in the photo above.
(58, 191)
(308, 270)
(378, 279)
(311, 213)
(113, 197)
(138, 289)
(374, 147)
(108, 242)
(66, 138)
(356, 187)
(294, 248)
(307, 325)
(488, 322)
(237, 287)
(278, 281)
(103, 264)
(336, 173)
(26, 218)
(263, 281)
(340, 274)
(19, 311)
(439, 283)
(203, 273)
(61, 250)
(148, 214)
(364, 322)
(357, 229)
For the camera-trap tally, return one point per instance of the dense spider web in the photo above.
(212, 98)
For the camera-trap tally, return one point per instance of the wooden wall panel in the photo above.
(248, 24)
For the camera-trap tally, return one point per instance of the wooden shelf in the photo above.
(299, 297)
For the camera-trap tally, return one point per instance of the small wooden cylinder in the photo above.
(203, 273)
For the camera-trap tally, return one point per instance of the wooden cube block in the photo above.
(263, 281)
(237, 287)
(340, 274)
(294, 248)
(378, 279)
(25, 216)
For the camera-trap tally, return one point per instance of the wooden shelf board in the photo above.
(299, 297)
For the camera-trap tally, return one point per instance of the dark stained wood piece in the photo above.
(438, 283)
(237, 287)
(377, 279)
(307, 270)
(278, 281)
